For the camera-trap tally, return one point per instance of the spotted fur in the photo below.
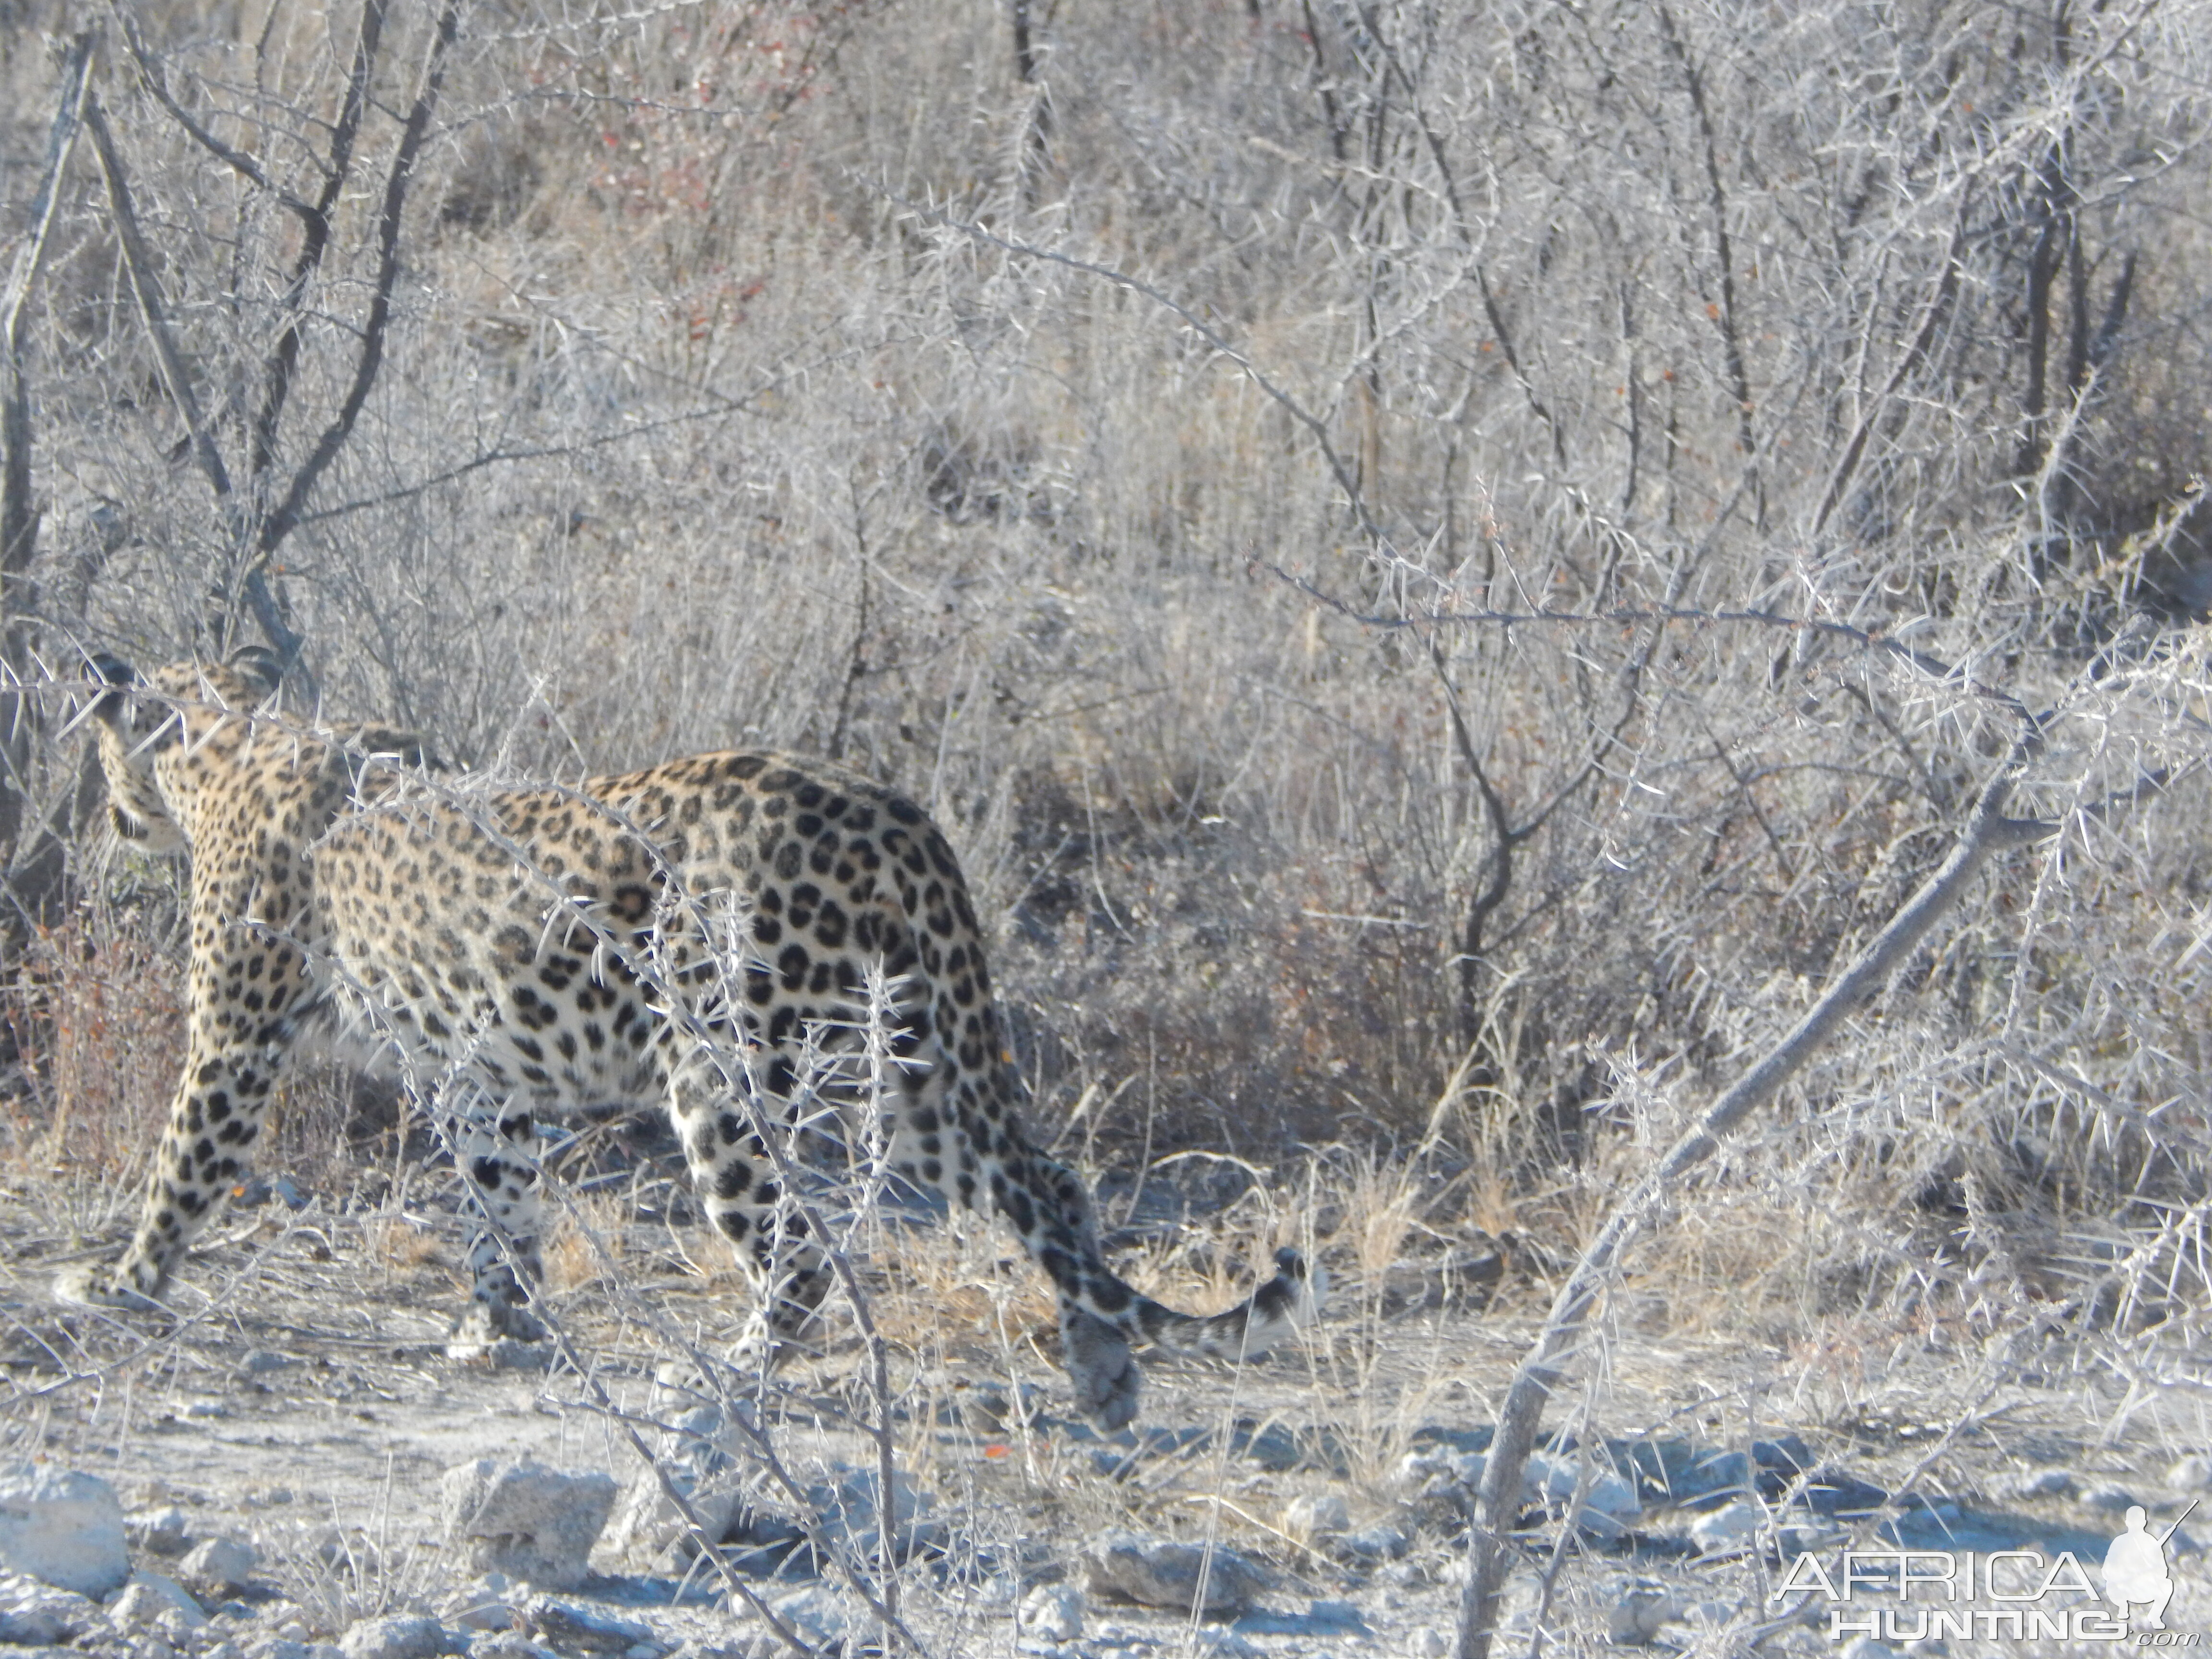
(524, 952)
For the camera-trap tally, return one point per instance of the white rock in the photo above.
(1729, 1530)
(219, 1564)
(1315, 1515)
(484, 1605)
(1052, 1613)
(148, 1597)
(1415, 1470)
(2192, 1474)
(850, 1513)
(408, 1636)
(815, 1612)
(1608, 1505)
(2037, 1483)
(1638, 1611)
(63, 1526)
(34, 1614)
(648, 1528)
(1429, 1644)
(525, 1520)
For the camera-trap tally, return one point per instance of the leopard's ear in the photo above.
(261, 665)
(114, 671)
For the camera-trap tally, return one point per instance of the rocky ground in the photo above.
(296, 1461)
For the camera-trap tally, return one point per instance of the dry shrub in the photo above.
(572, 1261)
(96, 1014)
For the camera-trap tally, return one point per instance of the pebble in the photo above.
(1052, 1613)
(404, 1636)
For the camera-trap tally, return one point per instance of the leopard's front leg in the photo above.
(221, 1103)
(494, 1144)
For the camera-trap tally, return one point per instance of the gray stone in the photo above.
(166, 1531)
(764, 1647)
(2116, 1500)
(1321, 1618)
(849, 1513)
(149, 1597)
(508, 1644)
(219, 1564)
(1052, 1613)
(486, 1605)
(648, 1531)
(34, 1614)
(403, 1636)
(1159, 1573)
(63, 1526)
(1608, 1505)
(1729, 1530)
(1382, 1542)
(1314, 1515)
(2037, 1483)
(1638, 1608)
(258, 1362)
(569, 1629)
(815, 1613)
(525, 1520)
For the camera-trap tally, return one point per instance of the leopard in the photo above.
(692, 937)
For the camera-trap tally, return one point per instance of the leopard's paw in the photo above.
(503, 1331)
(100, 1284)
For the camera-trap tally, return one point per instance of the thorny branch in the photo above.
(281, 521)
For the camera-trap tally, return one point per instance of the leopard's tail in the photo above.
(1279, 1309)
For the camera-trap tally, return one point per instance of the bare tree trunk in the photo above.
(1037, 125)
(18, 517)
(1987, 831)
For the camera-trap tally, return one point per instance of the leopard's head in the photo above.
(152, 727)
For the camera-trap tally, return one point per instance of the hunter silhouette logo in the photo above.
(2135, 1569)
